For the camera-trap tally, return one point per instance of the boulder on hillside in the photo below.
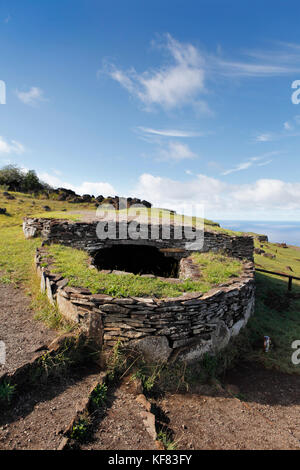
(269, 255)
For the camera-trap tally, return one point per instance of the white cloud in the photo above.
(241, 166)
(31, 97)
(265, 163)
(244, 69)
(169, 132)
(268, 137)
(96, 188)
(176, 151)
(182, 81)
(287, 126)
(262, 198)
(290, 129)
(11, 147)
(252, 161)
(282, 59)
(171, 85)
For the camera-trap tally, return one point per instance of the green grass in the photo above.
(99, 395)
(276, 315)
(17, 253)
(73, 264)
(284, 257)
(277, 312)
(7, 392)
(59, 215)
(81, 431)
(166, 439)
(217, 267)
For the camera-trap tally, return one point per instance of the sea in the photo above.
(278, 232)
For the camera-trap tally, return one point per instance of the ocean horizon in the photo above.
(277, 231)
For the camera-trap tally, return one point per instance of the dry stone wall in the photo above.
(182, 327)
(84, 236)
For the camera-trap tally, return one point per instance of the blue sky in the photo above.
(173, 101)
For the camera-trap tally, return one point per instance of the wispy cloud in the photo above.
(287, 126)
(281, 59)
(265, 163)
(13, 146)
(267, 137)
(169, 132)
(290, 128)
(258, 160)
(239, 167)
(31, 97)
(184, 80)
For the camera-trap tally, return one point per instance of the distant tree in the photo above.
(12, 176)
(15, 179)
(31, 182)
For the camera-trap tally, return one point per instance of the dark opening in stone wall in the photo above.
(137, 259)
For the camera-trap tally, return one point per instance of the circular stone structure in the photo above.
(183, 327)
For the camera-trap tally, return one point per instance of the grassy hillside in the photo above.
(277, 312)
(16, 253)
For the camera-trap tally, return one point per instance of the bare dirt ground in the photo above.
(37, 419)
(121, 426)
(22, 335)
(258, 409)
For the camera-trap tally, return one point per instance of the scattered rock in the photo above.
(142, 400)
(281, 245)
(259, 251)
(269, 255)
(262, 238)
(154, 348)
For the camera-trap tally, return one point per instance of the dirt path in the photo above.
(37, 419)
(22, 335)
(121, 426)
(265, 416)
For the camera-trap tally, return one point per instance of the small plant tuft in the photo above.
(149, 375)
(99, 395)
(116, 362)
(7, 392)
(166, 439)
(81, 430)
